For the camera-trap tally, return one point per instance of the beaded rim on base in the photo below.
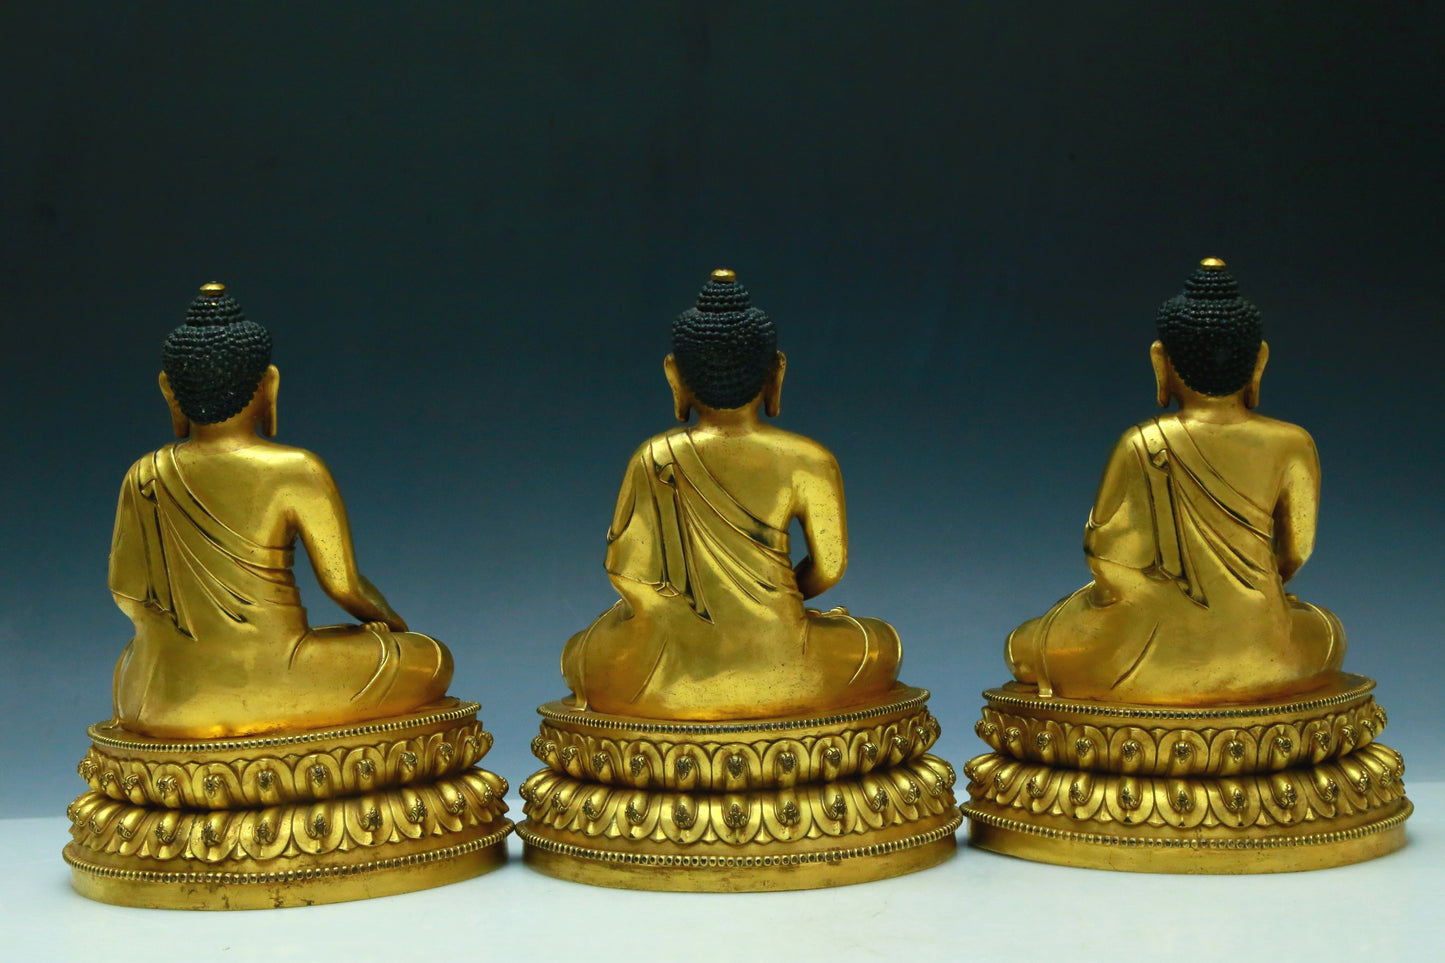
(1356, 687)
(289, 876)
(452, 713)
(905, 698)
(779, 861)
(1281, 841)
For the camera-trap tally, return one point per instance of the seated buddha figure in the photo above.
(201, 563)
(711, 622)
(1201, 517)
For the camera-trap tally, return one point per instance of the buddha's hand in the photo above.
(396, 625)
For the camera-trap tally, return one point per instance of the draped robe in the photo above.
(1187, 605)
(711, 623)
(221, 645)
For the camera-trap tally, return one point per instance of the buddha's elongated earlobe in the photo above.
(180, 424)
(270, 387)
(773, 390)
(681, 396)
(1251, 390)
(1160, 360)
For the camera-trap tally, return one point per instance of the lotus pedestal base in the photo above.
(288, 819)
(1239, 789)
(768, 804)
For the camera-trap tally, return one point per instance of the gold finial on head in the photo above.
(1212, 264)
(214, 289)
(724, 275)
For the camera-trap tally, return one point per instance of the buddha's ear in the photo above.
(773, 389)
(681, 396)
(180, 424)
(1251, 390)
(1160, 360)
(270, 387)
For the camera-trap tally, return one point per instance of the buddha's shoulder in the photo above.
(1285, 435)
(804, 451)
(288, 460)
(277, 463)
(1261, 431)
(660, 439)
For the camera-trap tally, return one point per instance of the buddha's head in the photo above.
(724, 351)
(1210, 339)
(217, 365)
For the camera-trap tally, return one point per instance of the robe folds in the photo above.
(711, 624)
(1187, 606)
(222, 646)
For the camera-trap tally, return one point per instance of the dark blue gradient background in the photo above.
(468, 227)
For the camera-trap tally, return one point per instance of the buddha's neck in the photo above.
(1229, 408)
(225, 435)
(729, 420)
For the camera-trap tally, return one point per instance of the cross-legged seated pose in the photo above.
(202, 554)
(711, 623)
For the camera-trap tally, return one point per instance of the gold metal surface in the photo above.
(730, 807)
(317, 816)
(1296, 785)
(1201, 516)
(253, 760)
(720, 736)
(1182, 712)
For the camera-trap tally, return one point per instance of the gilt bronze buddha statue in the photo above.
(254, 760)
(1183, 712)
(720, 735)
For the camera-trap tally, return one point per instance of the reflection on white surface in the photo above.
(976, 906)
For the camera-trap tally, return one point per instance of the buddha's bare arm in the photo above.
(318, 515)
(1297, 511)
(823, 514)
(1113, 486)
(627, 494)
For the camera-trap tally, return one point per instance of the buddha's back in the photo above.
(711, 622)
(775, 474)
(1259, 456)
(201, 562)
(1201, 517)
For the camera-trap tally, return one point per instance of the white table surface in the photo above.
(976, 906)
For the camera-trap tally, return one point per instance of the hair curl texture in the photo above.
(725, 348)
(215, 360)
(1211, 334)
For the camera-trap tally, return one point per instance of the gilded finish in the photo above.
(254, 760)
(721, 736)
(1202, 516)
(727, 807)
(266, 772)
(1300, 784)
(711, 623)
(908, 793)
(294, 819)
(201, 561)
(1183, 712)
(734, 759)
(1209, 742)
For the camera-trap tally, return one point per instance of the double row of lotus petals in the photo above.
(1366, 779)
(1165, 751)
(917, 789)
(447, 806)
(275, 780)
(734, 766)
